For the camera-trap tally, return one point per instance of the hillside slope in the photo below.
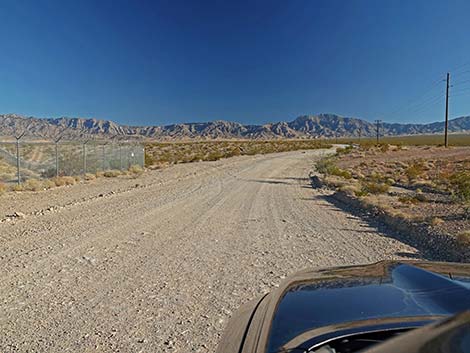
(307, 126)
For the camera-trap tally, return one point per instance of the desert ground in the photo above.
(160, 263)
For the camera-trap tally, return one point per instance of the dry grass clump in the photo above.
(48, 184)
(136, 170)
(460, 185)
(89, 176)
(17, 187)
(344, 150)
(373, 187)
(463, 238)
(351, 189)
(436, 221)
(415, 170)
(3, 188)
(328, 167)
(112, 173)
(33, 185)
(64, 180)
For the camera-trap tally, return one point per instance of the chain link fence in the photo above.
(23, 160)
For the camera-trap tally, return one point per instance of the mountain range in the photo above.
(307, 126)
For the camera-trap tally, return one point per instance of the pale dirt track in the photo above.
(161, 266)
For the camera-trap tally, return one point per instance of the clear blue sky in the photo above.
(160, 62)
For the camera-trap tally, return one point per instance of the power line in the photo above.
(460, 67)
(460, 82)
(412, 101)
(419, 106)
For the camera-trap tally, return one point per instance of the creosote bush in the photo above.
(136, 170)
(463, 238)
(460, 186)
(33, 185)
(372, 187)
(112, 173)
(64, 180)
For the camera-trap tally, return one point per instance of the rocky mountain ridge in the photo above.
(307, 126)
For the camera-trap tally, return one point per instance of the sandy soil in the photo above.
(160, 263)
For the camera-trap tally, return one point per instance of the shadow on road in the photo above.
(373, 223)
(267, 181)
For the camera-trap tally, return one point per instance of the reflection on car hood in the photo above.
(382, 290)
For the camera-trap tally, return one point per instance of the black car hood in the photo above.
(363, 293)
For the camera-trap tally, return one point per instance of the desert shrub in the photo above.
(409, 199)
(463, 238)
(384, 147)
(435, 221)
(18, 187)
(366, 145)
(33, 185)
(3, 188)
(346, 174)
(325, 166)
(377, 177)
(149, 159)
(89, 176)
(350, 189)
(460, 186)
(390, 181)
(375, 188)
(64, 180)
(112, 173)
(420, 196)
(344, 150)
(136, 169)
(48, 184)
(216, 155)
(415, 170)
(361, 193)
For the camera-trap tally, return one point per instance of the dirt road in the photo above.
(159, 263)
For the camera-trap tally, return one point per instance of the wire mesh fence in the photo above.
(23, 160)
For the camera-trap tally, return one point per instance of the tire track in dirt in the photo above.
(161, 267)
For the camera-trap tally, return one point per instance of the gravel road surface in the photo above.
(159, 263)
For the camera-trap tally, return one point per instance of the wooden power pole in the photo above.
(446, 139)
(378, 130)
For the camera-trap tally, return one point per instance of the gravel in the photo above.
(161, 262)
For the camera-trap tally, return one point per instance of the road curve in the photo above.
(159, 263)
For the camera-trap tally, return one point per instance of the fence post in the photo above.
(56, 159)
(103, 157)
(84, 157)
(18, 161)
(120, 157)
(143, 156)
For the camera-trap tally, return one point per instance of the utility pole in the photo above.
(18, 175)
(84, 156)
(56, 142)
(446, 140)
(360, 133)
(378, 122)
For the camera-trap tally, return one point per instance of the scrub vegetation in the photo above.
(165, 153)
(417, 183)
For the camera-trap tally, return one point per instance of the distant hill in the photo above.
(308, 126)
